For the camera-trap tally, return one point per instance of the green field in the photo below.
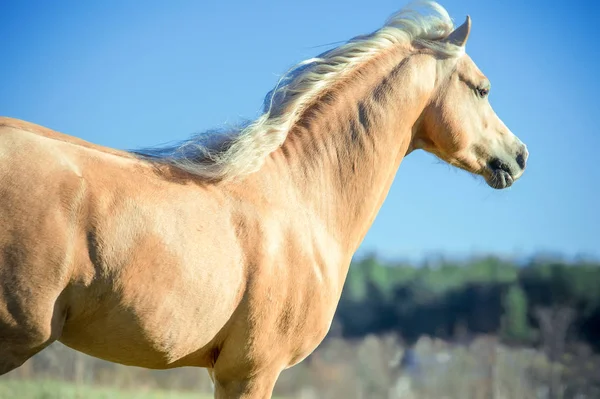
(15, 389)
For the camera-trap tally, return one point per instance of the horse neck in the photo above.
(344, 152)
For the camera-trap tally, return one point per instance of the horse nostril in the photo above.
(497, 164)
(521, 160)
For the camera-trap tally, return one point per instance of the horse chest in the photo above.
(298, 314)
(310, 325)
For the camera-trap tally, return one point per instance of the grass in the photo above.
(48, 389)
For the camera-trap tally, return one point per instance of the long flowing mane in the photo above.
(221, 155)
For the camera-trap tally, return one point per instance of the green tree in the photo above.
(515, 326)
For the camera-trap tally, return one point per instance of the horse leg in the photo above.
(259, 386)
(256, 387)
(211, 374)
(26, 330)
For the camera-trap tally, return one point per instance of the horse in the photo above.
(229, 251)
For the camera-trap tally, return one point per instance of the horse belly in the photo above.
(157, 311)
(151, 329)
(154, 309)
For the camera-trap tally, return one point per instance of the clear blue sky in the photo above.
(128, 74)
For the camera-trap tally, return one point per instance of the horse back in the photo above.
(11, 124)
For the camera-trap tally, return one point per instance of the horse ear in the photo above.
(460, 35)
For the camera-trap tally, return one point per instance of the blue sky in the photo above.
(129, 74)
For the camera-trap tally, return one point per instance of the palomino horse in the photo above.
(230, 252)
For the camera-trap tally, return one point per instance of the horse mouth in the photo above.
(499, 179)
(499, 174)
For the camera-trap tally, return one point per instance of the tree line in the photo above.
(543, 300)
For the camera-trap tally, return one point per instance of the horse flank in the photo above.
(215, 155)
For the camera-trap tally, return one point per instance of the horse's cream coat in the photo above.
(144, 263)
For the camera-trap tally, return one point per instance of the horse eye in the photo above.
(483, 91)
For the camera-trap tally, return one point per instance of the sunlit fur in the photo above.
(224, 155)
(138, 263)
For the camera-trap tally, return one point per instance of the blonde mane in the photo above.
(222, 156)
